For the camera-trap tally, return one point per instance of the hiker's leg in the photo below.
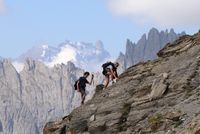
(111, 77)
(83, 100)
(106, 81)
(83, 95)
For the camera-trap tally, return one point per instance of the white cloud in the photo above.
(2, 6)
(161, 12)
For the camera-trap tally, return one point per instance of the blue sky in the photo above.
(24, 24)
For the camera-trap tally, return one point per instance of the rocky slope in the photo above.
(36, 95)
(146, 48)
(160, 96)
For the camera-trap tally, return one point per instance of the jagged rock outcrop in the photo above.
(146, 48)
(169, 86)
(122, 61)
(35, 95)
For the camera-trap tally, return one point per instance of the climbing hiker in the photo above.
(80, 85)
(110, 72)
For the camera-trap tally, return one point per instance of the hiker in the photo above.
(80, 85)
(110, 72)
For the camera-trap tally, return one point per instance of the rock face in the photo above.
(36, 95)
(160, 96)
(146, 48)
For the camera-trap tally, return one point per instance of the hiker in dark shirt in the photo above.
(110, 72)
(81, 85)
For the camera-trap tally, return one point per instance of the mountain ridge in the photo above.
(159, 96)
(147, 47)
(25, 96)
(80, 53)
(30, 95)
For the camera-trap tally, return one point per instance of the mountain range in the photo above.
(146, 48)
(41, 89)
(83, 55)
(86, 55)
(35, 95)
(154, 97)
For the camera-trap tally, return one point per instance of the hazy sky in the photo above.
(26, 23)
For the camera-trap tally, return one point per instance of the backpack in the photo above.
(105, 65)
(75, 84)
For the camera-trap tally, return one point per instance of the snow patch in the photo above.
(66, 54)
(45, 46)
(18, 66)
(83, 55)
(44, 50)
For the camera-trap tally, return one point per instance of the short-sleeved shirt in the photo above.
(111, 67)
(82, 82)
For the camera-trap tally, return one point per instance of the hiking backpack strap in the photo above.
(75, 84)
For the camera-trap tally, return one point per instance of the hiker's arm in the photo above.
(116, 74)
(78, 86)
(90, 83)
(113, 73)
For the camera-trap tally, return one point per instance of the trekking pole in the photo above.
(93, 81)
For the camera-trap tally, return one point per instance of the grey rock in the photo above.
(146, 48)
(92, 118)
(121, 60)
(36, 95)
(158, 87)
(174, 109)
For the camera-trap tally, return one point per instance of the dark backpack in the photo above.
(105, 65)
(75, 84)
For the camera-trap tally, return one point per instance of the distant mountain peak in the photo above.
(147, 46)
(153, 30)
(99, 45)
(82, 54)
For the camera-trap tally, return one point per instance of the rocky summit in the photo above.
(159, 97)
(146, 48)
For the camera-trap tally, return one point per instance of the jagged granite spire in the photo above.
(148, 46)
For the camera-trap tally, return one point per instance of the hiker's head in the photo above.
(116, 64)
(86, 74)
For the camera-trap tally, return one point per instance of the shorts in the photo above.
(82, 90)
